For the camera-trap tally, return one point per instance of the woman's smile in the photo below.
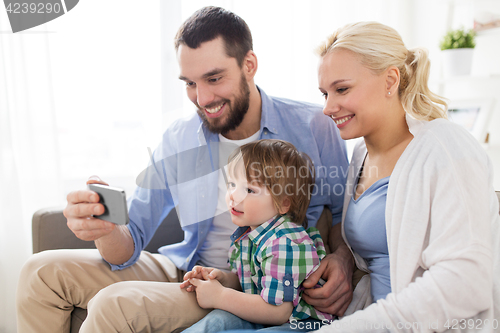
(342, 121)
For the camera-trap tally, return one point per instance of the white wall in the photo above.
(92, 80)
(106, 64)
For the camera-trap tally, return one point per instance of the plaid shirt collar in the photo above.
(258, 233)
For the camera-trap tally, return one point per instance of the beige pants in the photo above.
(142, 298)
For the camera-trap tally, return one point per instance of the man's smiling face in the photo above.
(215, 84)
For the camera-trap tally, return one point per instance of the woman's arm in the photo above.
(211, 294)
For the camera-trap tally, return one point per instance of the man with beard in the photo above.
(214, 51)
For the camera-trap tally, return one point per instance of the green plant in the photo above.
(458, 39)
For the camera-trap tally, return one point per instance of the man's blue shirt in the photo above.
(184, 175)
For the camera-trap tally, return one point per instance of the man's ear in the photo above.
(392, 77)
(250, 65)
(285, 206)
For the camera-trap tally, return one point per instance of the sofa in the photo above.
(50, 232)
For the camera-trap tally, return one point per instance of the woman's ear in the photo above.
(250, 65)
(392, 80)
(285, 206)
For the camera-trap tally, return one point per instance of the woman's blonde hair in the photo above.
(379, 47)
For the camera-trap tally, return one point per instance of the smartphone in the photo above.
(114, 201)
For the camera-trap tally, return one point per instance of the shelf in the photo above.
(465, 78)
(488, 32)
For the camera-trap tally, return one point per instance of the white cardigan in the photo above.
(443, 238)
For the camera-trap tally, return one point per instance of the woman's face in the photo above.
(355, 98)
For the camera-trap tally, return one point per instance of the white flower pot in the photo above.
(457, 62)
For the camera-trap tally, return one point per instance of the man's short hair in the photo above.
(211, 22)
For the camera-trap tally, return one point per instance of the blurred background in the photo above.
(88, 93)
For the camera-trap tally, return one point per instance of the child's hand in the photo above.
(201, 273)
(195, 273)
(208, 292)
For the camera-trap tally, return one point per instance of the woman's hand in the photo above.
(335, 295)
(336, 268)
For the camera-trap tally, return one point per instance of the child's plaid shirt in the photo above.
(274, 259)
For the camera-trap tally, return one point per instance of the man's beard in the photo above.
(236, 113)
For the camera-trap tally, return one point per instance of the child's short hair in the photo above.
(286, 172)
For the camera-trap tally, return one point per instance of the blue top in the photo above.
(366, 233)
(183, 175)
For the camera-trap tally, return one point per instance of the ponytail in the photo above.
(415, 95)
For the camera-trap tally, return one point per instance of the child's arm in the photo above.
(211, 294)
(227, 279)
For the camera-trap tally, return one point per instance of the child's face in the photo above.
(249, 204)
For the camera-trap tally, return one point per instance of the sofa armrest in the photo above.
(50, 232)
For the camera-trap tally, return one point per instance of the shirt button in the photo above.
(287, 283)
(187, 259)
(265, 132)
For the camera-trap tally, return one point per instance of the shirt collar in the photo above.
(205, 136)
(256, 235)
(269, 118)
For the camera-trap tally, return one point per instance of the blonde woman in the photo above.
(420, 213)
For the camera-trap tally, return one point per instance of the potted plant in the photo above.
(457, 48)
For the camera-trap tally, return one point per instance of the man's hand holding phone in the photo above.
(114, 242)
(82, 206)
